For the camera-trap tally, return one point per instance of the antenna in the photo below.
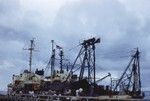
(30, 49)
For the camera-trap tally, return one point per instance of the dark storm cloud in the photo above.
(120, 29)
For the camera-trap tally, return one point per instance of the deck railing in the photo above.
(40, 97)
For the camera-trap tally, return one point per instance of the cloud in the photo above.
(121, 25)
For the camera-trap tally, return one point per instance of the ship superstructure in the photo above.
(28, 80)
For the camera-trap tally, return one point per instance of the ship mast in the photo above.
(51, 63)
(130, 79)
(61, 55)
(52, 58)
(31, 49)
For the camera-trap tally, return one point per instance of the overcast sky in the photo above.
(122, 25)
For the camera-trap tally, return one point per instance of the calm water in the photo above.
(147, 95)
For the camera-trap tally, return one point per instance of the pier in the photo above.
(32, 97)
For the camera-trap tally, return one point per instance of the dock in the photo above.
(39, 97)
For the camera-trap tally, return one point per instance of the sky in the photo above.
(122, 25)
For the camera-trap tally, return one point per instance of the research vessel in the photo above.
(77, 80)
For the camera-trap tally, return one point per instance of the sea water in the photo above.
(147, 95)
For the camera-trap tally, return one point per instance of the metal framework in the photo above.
(86, 57)
(109, 75)
(130, 80)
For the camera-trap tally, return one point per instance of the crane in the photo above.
(108, 75)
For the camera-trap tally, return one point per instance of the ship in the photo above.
(76, 81)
